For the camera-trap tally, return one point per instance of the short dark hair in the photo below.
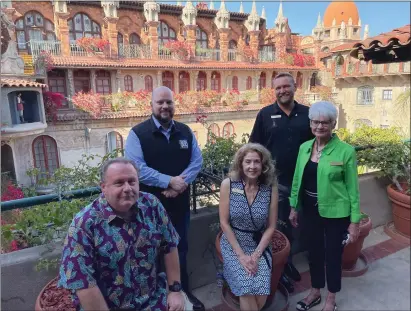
(108, 163)
(284, 74)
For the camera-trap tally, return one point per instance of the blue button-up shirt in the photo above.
(152, 177)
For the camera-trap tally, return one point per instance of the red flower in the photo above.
(14, 246)
(12, 193)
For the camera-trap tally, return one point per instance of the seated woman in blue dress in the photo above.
(248, 216)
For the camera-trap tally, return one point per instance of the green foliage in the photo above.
(390, 155)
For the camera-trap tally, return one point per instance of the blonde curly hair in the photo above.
(268, 174)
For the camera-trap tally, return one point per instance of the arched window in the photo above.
(168, 80)
(339, 63)
(45, 155)
(249, 83)
(148, 83)
(114, 142)
(299, 80)
(120, 39)
(215, 81)
(201, 81)
(81, 80)
(128, 83)
(134, 38)
(234, 84)
(183, 81)
(201, 39)
(313, 80)
(228, 130)
(82, 26)
(263, 80)
(232, 44)
(165, 33)
(365, 95)
(33, 26)
(103, 82)
(273, 79)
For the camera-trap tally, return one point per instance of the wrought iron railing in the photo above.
(407, 67)
(377, 68)
(134, 51)
(208, 54)
(393, 67)
(266, 56)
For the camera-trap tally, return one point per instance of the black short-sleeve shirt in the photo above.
(282, 135)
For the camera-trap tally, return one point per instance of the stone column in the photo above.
(153, 37)
(209, 72)
(93, 80)
(70, 84)
(62, 31)
(191, 36)
(112, 33)
(176, 81)
(224, 38)
(194, 75)
(118, 81)
(254, 44)
(159, 78)
(281, 47)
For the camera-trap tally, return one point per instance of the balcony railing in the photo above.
(234, 56)
(393, 67)
(363, 68)
(407, 67)
(134, 51)
(338, 70)
(76, 50)
(264, 56)
(377, 68)
(38, 46)
(208, 54)
(164, 53)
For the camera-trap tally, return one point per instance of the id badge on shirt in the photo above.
(274, 118)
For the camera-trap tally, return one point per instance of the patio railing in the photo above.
(264, 56)
(407, 66)
(208, 54)
(52, 47)
(134, 51)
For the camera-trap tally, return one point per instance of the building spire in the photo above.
(319, 20)
(211, 5)
(254, 8)
(263, 13)
(280, 11)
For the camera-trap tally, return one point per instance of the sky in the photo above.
(381, 16)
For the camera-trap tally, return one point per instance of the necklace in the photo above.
(319, 152)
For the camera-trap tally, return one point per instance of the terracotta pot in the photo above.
(400, 210)
(281, 250)
(353, 250)
(53, 298)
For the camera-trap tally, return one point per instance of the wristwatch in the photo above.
(175, 287)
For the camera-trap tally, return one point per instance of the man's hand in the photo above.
(178, 183)
(354, 231)
(175, 301)
(170, 193)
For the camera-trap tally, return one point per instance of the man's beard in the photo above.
(165, 120)
(285, 102)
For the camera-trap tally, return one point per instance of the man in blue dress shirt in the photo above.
(169, 159)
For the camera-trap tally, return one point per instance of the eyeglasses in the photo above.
(316, 123)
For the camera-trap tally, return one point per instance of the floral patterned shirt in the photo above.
(120, 257)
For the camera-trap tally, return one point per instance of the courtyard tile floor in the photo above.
(385, 286)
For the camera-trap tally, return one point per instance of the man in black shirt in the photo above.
(282, 127)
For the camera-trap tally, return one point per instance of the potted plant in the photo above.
(180, 50)
(391, 156)
(352, 251)
(92, 44)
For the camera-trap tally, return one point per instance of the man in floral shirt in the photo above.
(110, 253)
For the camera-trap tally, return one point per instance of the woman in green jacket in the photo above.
(325, 185)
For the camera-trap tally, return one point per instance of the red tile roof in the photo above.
(400, 35)
(100, 62)
(78, 115)
(343, 47)
(20, 83)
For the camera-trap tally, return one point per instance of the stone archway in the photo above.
(7, 163)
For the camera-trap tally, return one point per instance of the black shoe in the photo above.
(287, 283)
(197, 304)
(292, 272)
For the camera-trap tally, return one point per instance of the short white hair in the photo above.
(323, 109)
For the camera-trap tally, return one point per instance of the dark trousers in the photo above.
(178, 211)
(325, 236)
(283, 222)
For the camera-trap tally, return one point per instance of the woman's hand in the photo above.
(354, 231)
(249, 264)
(293, 218)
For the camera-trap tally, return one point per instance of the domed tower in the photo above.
(341, 24)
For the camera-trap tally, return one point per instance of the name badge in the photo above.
(183, 144)
(337, 163)
(276, 116)
(235, 190)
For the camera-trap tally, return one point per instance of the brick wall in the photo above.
(44, 7)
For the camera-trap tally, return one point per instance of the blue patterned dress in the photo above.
(243, 226)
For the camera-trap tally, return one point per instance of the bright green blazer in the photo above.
(337, 180)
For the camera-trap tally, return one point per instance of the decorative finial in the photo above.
(211, 5)
(263, 13)
(241, 7)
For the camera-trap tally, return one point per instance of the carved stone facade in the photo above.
(189, 15)
(151, 11)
